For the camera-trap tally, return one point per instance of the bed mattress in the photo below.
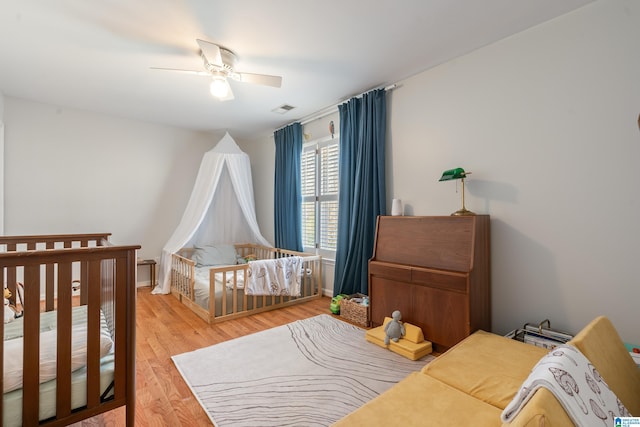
(201, 291)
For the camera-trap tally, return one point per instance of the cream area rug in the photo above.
(310, 372)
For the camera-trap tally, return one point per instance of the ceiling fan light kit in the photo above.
(219, 87)
(220, 63)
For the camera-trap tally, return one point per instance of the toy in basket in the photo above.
(355, 309)
(334, 307)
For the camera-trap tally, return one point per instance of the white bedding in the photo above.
(577, 385)
(281, 276)
(12, 414)
(49, 322)
(201, 286)
(289, 281)
(14, 343)
(202, 278)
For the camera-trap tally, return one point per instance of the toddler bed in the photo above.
(71, 355)
(210, 280)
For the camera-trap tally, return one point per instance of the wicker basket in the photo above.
(354, 312)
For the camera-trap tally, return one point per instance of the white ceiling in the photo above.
(97, 56)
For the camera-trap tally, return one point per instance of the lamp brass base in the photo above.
(462, 212)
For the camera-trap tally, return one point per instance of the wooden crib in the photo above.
(102, 309)
(229, 301)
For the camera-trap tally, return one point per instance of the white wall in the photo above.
(263, 157)
(546, 121)
(1, 163)
(70, 171)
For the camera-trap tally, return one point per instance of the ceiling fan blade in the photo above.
(198, 73)
(261, 79)
(211, 52)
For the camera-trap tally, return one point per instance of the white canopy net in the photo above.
(221, 208)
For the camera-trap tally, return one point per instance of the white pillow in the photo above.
(219, 254)
(13, 355)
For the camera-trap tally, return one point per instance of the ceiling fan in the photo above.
(219, 63)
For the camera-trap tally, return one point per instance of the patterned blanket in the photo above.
(577, 385)
(279, 276)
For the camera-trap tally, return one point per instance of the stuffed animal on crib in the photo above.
(9, 313)
(394, 330)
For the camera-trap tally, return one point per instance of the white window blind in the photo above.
(319, 170)
(308, 175)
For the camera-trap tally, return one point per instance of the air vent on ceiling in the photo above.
(283, 108)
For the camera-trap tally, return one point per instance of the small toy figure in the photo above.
(9, 313)
(394, 330)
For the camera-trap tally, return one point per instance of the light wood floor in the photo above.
(166, 328)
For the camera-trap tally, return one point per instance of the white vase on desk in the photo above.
(396, 207)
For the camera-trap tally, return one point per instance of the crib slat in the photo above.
(93, 333)
(212, 292)
(234, 292)
(120, 276)
(128, 299)
(84, 280)
(31, 349)
(11, 276)
(49, 286)
(63, 368)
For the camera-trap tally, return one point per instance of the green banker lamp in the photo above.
(457, 173)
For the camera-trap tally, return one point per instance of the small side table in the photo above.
(152, 269)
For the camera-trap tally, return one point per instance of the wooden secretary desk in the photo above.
(436, 271)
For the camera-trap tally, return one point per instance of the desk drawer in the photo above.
(390, 271)
(441, 280)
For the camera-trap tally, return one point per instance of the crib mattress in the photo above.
(12, 415)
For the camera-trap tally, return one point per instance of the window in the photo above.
(319, 170)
